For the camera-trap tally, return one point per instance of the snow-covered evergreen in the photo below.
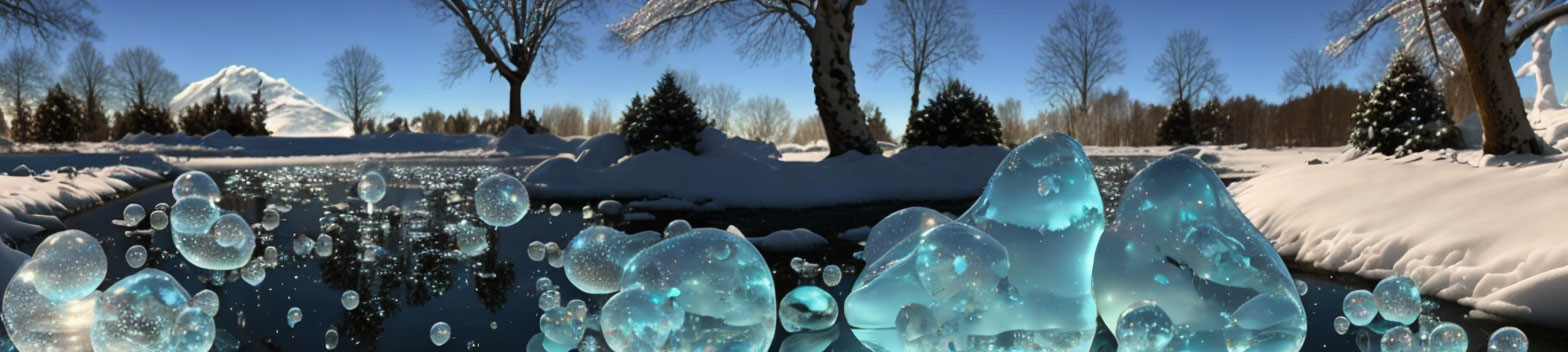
(1403, 114)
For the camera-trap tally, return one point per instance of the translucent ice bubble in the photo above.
(831, 275)
(589, 344)
(501, 200)
(719, 280)
(1399, 339)
(554, 255)
(159, 219)
(136, 256)
(676, 227)
(231, 229)
(324, 245)
(543, 284)
(270, 219)
(549, 299)
(206, 301)
(818, 341)
(596, 256)
(1341, 324)
(139, 313)
(1301, 287)
(578, 307)
(555, 209)
(372, 187)
(916, 322)
(898, 225)
(536, 251)
(562, 325)
(1360, 307)
(269, 256)
(807, 308)
(134, 213)
(195, 184)
(636, 317)
(1144, 326)
(1508, 339)
(953, 269)
(193, 215)
(440, 332)
(1447, 337)
(330, 340)
(69, 264)
(193, 331)
(471, 240)
(350, 299)
(253, 273)
(303, 244)
(203, 250)
(1398, 299)
(295, 315)
(1180, 240)
(36, 323)
(797, 264)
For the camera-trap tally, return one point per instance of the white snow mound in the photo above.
(289, 112)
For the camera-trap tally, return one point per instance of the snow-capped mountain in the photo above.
(289, 111)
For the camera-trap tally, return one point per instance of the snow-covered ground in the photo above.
(33, 205)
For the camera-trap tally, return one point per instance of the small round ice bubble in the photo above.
(831, 275)
(231, 231)
(1341, 325)
(159, 219)
(1447, 337)
(253, 273)
(637, 317)
(501, 200)
(471, 240)
(324, 245)
(807, 308)
(195, 184)
(440, 332)
(206, 301)
(536, 251)
(1360, 307)
(134, 213)
(555, 209)
(1301, 287)
(303, 244)
(69, 265)
(136, 256)
(295, 315)
(543, 284)
(563, 325)
(1399, 339)
(193, 215)
(270, 219)
(554, 255)
(1508, 339)
(676, 227)
(1398, 299)
(549, 299)
(350, 299)
(330, 340)
(372, 187)
(1143, 326)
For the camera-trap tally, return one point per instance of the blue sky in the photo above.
(293, 39)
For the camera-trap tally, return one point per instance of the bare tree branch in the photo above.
(1187, 69)
(355, 79)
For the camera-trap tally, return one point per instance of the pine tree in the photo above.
(22, 124)
(877, 123)
(955, 117)
(531, 124)
(1177, 127)
(1403, 114)
(1210, 123)
(668, 119)
(143, 118)
(57, 117)
(256, 113)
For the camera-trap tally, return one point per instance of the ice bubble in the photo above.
(1341, 325)
(1508, 339)
(206, 301)
(831, 275)
(1399, 339)
(555, 209)
(676, 227)
(440, 332)
(797, 264)
(589, 344)
(807, 308)
(578, 307)
(134, 213)
(960, 264)
(549, 299)
(324, 245)
(818, 341)
(295, 315)
(596, 256)
(1301, 288)
(69, 265)
(350, 299)
(1360, 307)
(270, 219)
(1398, 299)
(253, 273)
(203, 250)
(1144, 326)
(139, 313)
(330, 339)
(554, 255)
(193, 331)
(562, 325)
(36, 323)
(231, 229)
(193, 215)
(303, 244)
(543, 284)
(636, 317)
(269, 256)
(136, 256)
(536, 251)
(1447, 337)
(1180, 240)
(159, 219)
(372, 187)
(471, 240)
(587, 212)
(195, 184)
(898, 225)
(729, 302)
(501, 200)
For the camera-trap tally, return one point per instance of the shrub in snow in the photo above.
(668, 119)
(143, 118)
(1403, 114)
(1177, 127)
(1211, 125)
(57, 117)
(21, 123)
(955, 117)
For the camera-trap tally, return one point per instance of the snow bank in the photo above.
(222, 144)
(1552, 126)
(1228, 160)
(1488, 236)
(789, 241)
(33, 205)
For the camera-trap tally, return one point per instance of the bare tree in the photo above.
(24, 75)
(563, 119)
(86, 77)
(921, 38)
(509, 38)
(1310, 70)
(767, 29)
(807, 131)
(1187, 69)
(1011, 112)
(601, 119)
(1478, 38)
(47, 22)
(765, 119)
(1082, 49)
(718, 104)
(141, 80)
(356, 80)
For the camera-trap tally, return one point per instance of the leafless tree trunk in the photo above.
(141, 79)
(922, 38)
(24, 76)
(509, 38)
(1187, 69)
(47, 22)
(356, 80)
(1311, 69)
(764, 119)
(1082, 49)
(86, 76)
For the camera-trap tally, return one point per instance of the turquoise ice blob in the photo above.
(68, 265)
(816, 341)
(193, 331)
(206, 301)
(1301, 287)
(231, 229)
(372, 187)
(193, 215)
(133, 214)
(898, 225)
(638, 319)
(1341, 324)
(1179, 239)
(203, 250)
(1447, 337)
(1508, 339)
(501, 200)
(1143, 327)
(136, 256)
(719, 280)
(1360, 307)
(350, 299)
(471, 240)
(1399, 339)
(440, 332)
(254, 272)
(159, 219)
(807, 308)
(562, 325)
(1398, 299)
(831, 275)
(676, 227)
(596, 256)
(195, 184)
(294, 316)
(36, 323)
(959, 266)
(139, 313)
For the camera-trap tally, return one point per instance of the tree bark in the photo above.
(914, 98)
(1482, 38)
(514, 104)
(833, 75)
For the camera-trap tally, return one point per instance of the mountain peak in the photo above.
(289, 111)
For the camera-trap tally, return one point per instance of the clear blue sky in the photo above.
(293, 39)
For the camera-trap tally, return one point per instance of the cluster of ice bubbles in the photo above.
(204, 236)
(1394, 305)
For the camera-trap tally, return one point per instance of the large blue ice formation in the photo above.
(717, 280)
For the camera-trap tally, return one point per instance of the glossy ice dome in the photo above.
(193, 331)
(294, 316)
(898, 225)
(372, 186)
(1508, 339)
(140, 313)
(597, 255)
(637, 317)
(1144, 326)
(195, 184)
(136, 256)
(350, 299)
(68, 265)
(133, 214)
(203, 250)
(501, 200)
(1398, 299)
(807, 308)
(719, 280)
(1180, 240)
(1360, 307)
(1447, 337)
(36, 323)
(440, 332)
(231, 229)
(193, 215)
(206, 301)
(471, 240)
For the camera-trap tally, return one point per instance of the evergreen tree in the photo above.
(57, 117)
(531, 124)
(1210, 123)
(955, 117)
(1403, 114)
(143, 118)
(668, 119)
(1177, 127)
(256, 113)
(876, 123)
(22, 124)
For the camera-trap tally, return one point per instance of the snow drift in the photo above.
(289, 111)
